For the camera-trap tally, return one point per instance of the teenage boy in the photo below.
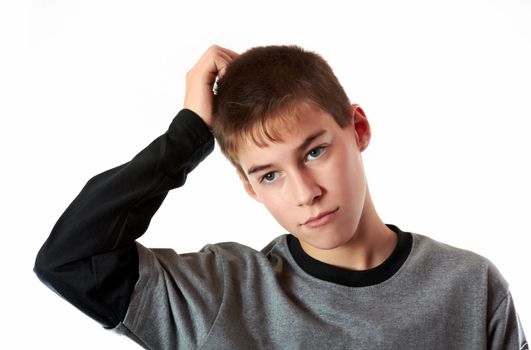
(340, 279)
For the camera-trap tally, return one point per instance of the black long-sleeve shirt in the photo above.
(90, 257)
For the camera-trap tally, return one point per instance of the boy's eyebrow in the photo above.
(303, 145)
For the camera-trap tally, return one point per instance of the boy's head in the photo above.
(284, 121)
(261, 89)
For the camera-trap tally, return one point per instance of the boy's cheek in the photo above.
(279, 213)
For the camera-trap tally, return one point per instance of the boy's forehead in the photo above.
(292, 126)
(281, 126)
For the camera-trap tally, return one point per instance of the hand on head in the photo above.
(200, 79)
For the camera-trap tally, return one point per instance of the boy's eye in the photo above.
(315, 153)
(269, 177)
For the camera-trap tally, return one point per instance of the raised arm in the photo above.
(90, 257)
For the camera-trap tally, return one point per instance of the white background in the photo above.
(87, 84)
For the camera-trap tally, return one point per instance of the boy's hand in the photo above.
(200, 79)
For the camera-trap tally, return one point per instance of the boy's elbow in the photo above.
(52, 269)
(44, 267)
(104, 299)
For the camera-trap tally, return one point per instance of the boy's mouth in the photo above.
(321, 218)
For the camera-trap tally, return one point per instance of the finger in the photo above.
(214, 63)
(229, 52)
(210, 65)
(225, 56)
(221, 66)
(222, 62)
(217, 48)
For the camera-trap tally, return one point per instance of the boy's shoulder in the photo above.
(455, 264)
(428, 247)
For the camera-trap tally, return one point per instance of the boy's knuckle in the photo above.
(214, 50)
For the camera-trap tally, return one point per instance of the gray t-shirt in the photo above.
(229, 296)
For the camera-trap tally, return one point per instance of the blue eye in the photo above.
(315, 153)
(269, 177)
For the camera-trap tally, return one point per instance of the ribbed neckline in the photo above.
(354, 278)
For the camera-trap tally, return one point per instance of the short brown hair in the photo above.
(262, 86)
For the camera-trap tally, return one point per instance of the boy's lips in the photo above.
(321, 218)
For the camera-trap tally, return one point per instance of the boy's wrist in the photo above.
(193, 123)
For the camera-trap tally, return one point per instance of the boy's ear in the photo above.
(361, 126)
(248, 188)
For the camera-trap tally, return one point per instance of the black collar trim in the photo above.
(354, 278)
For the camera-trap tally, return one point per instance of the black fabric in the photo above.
(90, 257)
(354, 278)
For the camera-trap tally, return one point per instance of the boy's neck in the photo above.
(372, 243)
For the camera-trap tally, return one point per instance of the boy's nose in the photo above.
(306, 189)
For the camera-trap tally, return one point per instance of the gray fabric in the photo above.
(229, 296)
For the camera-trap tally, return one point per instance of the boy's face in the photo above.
(316, 170)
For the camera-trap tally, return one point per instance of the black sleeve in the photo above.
(90, 257)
